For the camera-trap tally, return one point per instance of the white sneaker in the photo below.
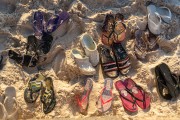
(90, 48)
(83, 63)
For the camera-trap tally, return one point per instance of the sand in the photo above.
(86, 16)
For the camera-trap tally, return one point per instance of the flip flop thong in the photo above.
(38, 24)
(141, 97)
(48, 96)
(31, 93)
(10, 103)
(56, 20)
(166, 81)
(84, 101)
(104, 102)
(108, 64)
(127, 100)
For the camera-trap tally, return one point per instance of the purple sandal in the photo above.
(56, 20)
(38, 24)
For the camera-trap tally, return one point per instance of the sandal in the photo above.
(56, 20)
(31, 45)
(31, 93)
(38, 24)
(141, 97)
(84, 101)
(24, 60)
(122, 58)
(108, 64)
(104, 102)
(48, 96)
(45, 43)
(107, 36)
(166, 81)
(140, 47)
(10, 103)
(128, 101)
(119, 28)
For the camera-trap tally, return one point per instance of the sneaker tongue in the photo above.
(134, 90)
(124, 92)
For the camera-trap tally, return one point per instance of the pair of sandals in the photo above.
(132, 95)
(40, 26)
(8, 104)
(168, 84)
(144, 41)
(104, 101)
(115, 61)
(113, 30)
(156, 16)
(44, 86)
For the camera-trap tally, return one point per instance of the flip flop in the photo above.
(119, 31)
(140, 46)
(38, 24)
(154, 23)
(166, 81)
(84, 101)
(108, 64)
(10, 103)
(31, 93)
(107, 36)
(164, 12)
(32, 45)
(56, 20)
(104, 102)
(45, 43)
(48, 96)
(141, 97)
(122, 58)
(128, 102)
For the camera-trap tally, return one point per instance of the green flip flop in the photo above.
(31, 93)
(47, 95)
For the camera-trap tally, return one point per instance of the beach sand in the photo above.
(16, 17)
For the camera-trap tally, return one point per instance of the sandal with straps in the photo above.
(104, 102)
(31, 93)
(48, 96)
(84, 101)
(107, 36)
(128, 101)
(167, 81)
(141, 97)
(122, 58)
(108, 64)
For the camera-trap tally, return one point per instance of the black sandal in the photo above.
(48, 96)
(166, 81)
(108, 64)
(1, 64)
(24, 60)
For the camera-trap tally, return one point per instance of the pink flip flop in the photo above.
(141, 97)
(84, 100)
(127, 100)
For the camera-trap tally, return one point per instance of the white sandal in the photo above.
(83, 63)
(90, 48)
